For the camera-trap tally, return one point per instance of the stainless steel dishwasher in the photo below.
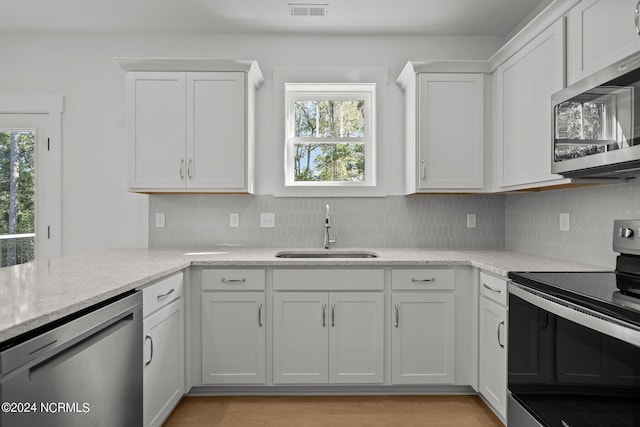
(84, 370)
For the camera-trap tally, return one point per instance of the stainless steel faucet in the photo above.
(327, 225)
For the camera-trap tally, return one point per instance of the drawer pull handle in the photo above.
(416, 280)
(225, 280)
(169, 292)
(496, 290)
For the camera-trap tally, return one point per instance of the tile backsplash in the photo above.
(532, 221)
(202, 221)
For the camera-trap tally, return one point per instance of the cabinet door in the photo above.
(216, 128)
(356, 337)
(300, 337)
(156, 129)
(233, 338)
(525, 85)
(422, 338)
(493, 354)
(451, 131)
(163, 363)
(599, 32)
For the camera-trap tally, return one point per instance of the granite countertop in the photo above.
(36, 293)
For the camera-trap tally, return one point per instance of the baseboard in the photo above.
(329, 390)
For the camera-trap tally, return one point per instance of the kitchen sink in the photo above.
(326, 254)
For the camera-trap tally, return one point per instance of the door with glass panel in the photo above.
(25, 233)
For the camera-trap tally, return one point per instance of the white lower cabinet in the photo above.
(493, 336)
(163, 349)
(423, 338)
(233, 338)
(328, 337)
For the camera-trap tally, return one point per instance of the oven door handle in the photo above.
(583, 316)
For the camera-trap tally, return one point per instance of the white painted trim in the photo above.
(413, 67)
(541, 22)
(193, 64)
(53, 106)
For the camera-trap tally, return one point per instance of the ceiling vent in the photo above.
(308, 9)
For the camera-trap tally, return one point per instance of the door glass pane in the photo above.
(17, 196)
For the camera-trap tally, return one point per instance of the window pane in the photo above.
(329, 119)
(329, 162)
(17, 197)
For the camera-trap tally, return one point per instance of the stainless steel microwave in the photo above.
(596, 124)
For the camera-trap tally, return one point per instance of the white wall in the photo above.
(97, 211)
(532, 221)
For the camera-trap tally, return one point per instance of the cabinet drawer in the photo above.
(233, 279)
(494, 288)
(424, 279)
(328, 279)
(161, 293)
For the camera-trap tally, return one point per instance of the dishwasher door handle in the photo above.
(103, 331)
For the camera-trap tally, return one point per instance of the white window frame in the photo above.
(48, 168)
(331, 91)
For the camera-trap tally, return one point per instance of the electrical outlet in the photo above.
(159, 220)
(471, 220)
(267, 220)
(565, 224)
(234, 220)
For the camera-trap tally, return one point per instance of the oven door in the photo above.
(569, 366)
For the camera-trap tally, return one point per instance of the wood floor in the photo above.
(334, 411)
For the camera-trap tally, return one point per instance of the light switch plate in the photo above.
(565, 224)
(471, 220)
(234, 220)
(267, 220)
(159, 220)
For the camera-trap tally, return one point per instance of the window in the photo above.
(17, 196)
(330, 137)
(30, 178)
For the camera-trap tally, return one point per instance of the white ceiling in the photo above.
(450, 17)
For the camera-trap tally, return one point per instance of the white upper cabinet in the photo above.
(216, 131)
(156, 114)
(523, 126)
(444, 126)
(191, 131)
(599, 32)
